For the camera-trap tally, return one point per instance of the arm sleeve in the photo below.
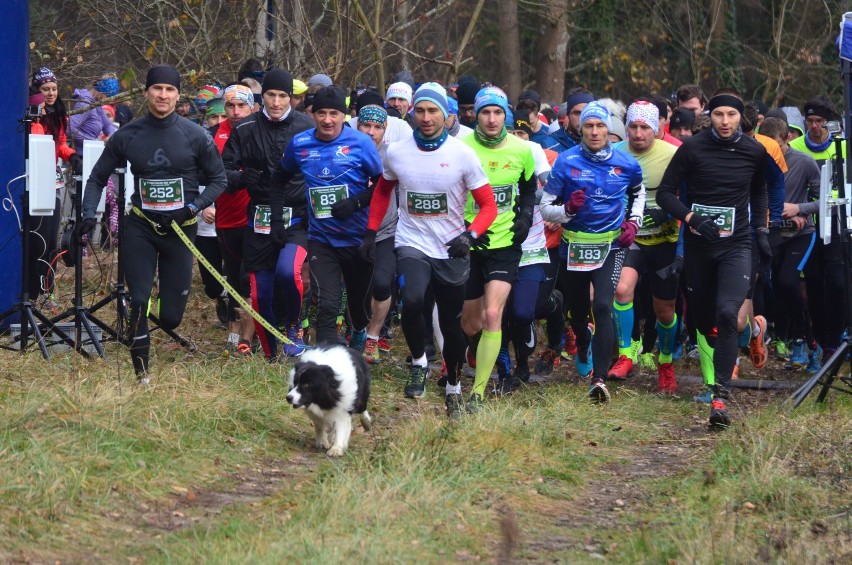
(551, 212)
(484, 197)
(232, 160)
(212, 169)
(775, 188)
(278, 184)
(667, 192)
(380, 202)
(63, 151)
(526, 193)
(636, 199)
(758, 201)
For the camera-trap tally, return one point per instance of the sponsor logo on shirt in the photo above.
(342, 151)
(325, 173)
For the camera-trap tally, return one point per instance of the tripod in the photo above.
(828, 374)
(119, 294)
(27, 311)
(79, 311)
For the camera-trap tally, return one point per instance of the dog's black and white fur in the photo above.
(331, 382)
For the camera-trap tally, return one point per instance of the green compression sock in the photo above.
(705, 356)
(486, 356)
(622, 316)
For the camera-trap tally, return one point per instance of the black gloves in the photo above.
(764, 249)
(345, 208)
(278, 234)
(76, 162)
(460, 246)
(85, 227)
(521, 227)
(705, 226)
(676, 267)
(181, 215)
(249, 178)
(654, 217)
(367, 249)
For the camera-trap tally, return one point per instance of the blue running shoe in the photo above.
(705, 397)
(294, 334)
(504, 371)
(583, 359)
(799, 355)
(814, 361)
(358, 340)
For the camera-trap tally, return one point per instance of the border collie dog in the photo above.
(331, 382)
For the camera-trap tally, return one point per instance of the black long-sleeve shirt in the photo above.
(159, 149)
(717, 173)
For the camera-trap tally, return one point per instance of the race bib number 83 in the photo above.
(324, 197)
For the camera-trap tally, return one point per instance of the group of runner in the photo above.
(485, 217)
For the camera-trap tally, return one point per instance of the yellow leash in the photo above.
(231, 292)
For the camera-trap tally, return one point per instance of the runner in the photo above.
(719, 174)
(602, 199)
(168, 157)
(434, 172)
(652, 255)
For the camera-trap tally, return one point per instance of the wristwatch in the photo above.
(193, 208)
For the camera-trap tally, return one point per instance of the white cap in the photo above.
(399, 90)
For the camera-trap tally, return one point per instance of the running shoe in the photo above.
(799, 355)
(297, 347)
(692, 352)
(782, 352)
(735, 374)
(704, 397)
(455, 406)
(358, 340)
(371, 351)
(621, 370)
(647, 361)
(416, 385)
(442, 380)
(544, 365)
(666, 382)
(757, 345)
(384, 344)
(504, 372)
(719, 414)
(814, 361)
(635, 350)
(598, 391)
(583, 359)
(474, 404)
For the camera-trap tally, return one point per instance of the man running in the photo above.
(434, 172)
(168, 157)
(719, 174)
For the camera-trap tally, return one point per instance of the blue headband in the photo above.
(596, 110)
(108, 86)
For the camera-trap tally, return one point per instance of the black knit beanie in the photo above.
(329, 97)
(278, 79)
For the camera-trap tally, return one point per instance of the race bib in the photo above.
(427, 205)
(324, 197)
(724, 217)
(534, 257)
(161, 195)
(504, 196)
(60, 178)
(587, 255)
(263, 218)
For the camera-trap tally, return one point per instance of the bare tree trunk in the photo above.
(552, 48)
(403, 13)
(261, 42)
(510, 47)
(375, 41)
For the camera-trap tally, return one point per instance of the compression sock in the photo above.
(486, 356)
(667, 335)
(705, 356)
(622, 316)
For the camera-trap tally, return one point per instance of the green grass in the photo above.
(92, 468)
